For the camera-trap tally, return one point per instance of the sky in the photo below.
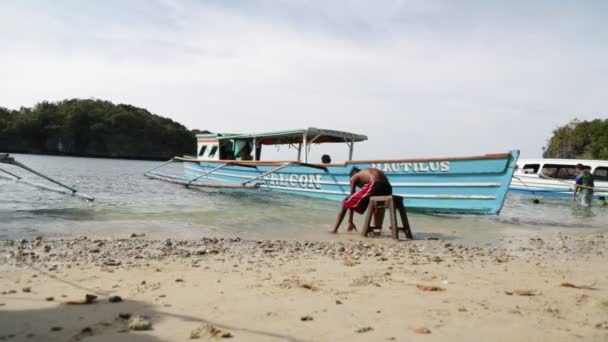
(421, 78)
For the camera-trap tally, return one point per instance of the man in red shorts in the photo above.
(372, 182)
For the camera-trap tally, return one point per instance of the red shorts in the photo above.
(360, 199)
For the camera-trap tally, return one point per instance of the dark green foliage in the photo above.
(579, 140)
(93, 128)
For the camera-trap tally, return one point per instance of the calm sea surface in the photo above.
(127, 202)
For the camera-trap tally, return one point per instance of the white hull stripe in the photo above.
(396, 184)
(555, 190)
(402, 195)
(537, 179)
(552, 186)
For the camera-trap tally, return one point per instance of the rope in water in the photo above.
(535, 199)
(541, 175)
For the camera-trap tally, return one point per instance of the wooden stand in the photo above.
(377, 207)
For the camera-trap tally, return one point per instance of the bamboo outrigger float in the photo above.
(476, 185)
(5, 158)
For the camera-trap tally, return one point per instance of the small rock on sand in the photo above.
(364, 330)
(124, 315)
(26, 289)
(603, 325)
(112, 262)
(139, 323)
(521, 293)
(422, 330)
(49, 299)
(306, 318)
(430, 288)
(88, 299)
(56, 328)
(86, 331)
(210, 331)
(115, 299)
(349, 262)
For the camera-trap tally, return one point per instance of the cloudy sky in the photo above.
(421, 78)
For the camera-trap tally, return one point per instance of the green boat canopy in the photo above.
(297, 136)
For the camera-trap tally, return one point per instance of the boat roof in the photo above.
(588, 162)
(313, 135)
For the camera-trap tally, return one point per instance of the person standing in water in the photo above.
(583, 189)
(372, 182)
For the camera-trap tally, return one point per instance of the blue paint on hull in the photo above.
(549, 193)
(474, 186)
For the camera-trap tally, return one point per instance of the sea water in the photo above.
(128, 203)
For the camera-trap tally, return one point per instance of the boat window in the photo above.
(559, 171)
(213, 152)
(601, 173)
(226, 150)
(530, 168)
(202, 151)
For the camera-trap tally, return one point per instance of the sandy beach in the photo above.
(359, 290)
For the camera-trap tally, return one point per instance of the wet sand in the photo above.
(366, 290)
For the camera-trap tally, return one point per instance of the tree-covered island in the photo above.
(93, 128)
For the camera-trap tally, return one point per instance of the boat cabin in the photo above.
(229, 146)
(562, 168)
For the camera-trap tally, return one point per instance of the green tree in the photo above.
(88, 127)
(579, 140)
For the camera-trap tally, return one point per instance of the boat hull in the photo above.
(537, 186)
(473, 185)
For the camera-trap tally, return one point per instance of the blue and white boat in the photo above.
(556, 177)
(475, 185)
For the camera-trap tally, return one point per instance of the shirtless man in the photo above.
(372, 182)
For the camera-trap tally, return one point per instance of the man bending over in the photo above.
(372, 182)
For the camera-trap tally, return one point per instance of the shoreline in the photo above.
(267, 290)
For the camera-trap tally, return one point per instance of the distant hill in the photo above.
(579, 140)
(93, 128)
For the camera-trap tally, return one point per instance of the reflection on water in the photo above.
(127, 202)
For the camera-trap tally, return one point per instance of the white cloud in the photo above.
(420, 78)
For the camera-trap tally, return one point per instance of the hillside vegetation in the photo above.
(579, 140)
(93, 128)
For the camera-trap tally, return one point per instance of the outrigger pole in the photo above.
(177, 179)
(6, 159)
(268, 173)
